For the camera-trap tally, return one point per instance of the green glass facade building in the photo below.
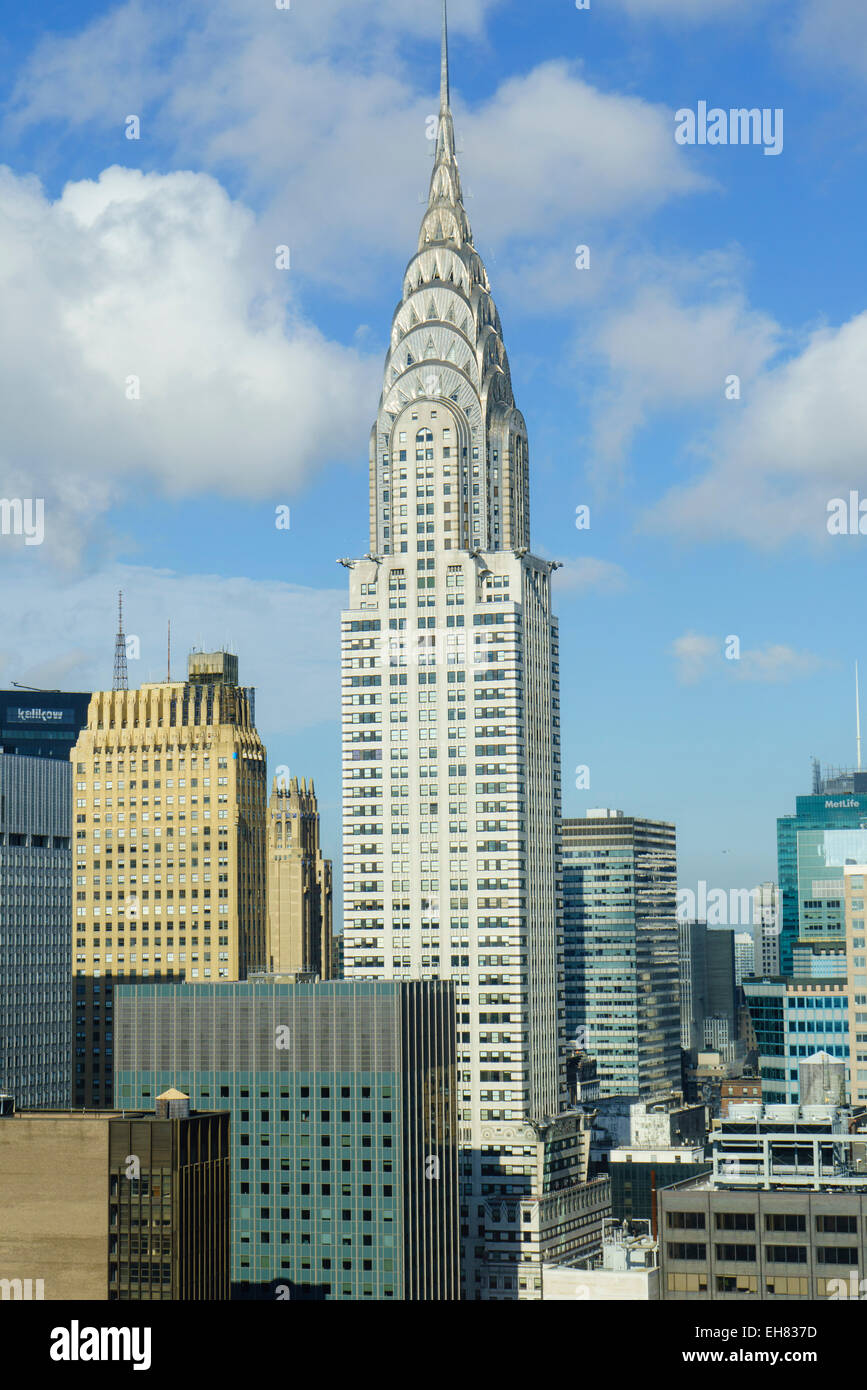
(343, 1125)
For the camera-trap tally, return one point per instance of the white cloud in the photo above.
(166, 278)
(588, 574)
(284, 104)
(698, 655)
(137, 53)
(693, 654)
(795, 441)
(546, 155)
(832, 35)
(776, 662)
(158, 277)
(663, 354)
(286, 636)
(570, 148)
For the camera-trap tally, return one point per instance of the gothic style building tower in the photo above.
(451, 738)
(299, 883)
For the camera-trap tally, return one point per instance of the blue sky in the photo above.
(154, 258)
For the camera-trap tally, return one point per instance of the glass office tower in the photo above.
(622, 987)
(35, 930)
(827, 831)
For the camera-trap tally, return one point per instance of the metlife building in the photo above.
(36, 724)
(827, 831)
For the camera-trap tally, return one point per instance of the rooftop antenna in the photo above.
(858, 716)
(121, 673)
(169, 654)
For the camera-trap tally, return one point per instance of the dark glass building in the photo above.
(344, 1142)
(37, 731)
(707, 983)
(35, 930)
(636, 1183)
(41, 724)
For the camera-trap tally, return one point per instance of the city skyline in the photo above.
(569, 1005)
(204, 538)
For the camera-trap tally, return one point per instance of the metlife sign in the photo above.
(20, 715)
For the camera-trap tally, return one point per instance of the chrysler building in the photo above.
(451, 747)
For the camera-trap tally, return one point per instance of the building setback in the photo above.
(344, 1143)
(622, 990)
(299, 884)
(170, 838)
(108, 1206)
(35, 930)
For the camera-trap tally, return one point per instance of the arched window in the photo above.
(424, 446)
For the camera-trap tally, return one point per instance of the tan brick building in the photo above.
(169, 840)
(299, 883)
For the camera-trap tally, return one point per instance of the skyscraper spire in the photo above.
(447, 344)
(445, 95)
(121, 675)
